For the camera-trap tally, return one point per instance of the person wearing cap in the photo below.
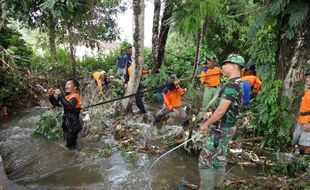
(301, 136)
(172, 94)
(220, 125)
(101, 78)
(210, 79)
(121, 63)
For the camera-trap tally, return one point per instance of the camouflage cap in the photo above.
(236, 59)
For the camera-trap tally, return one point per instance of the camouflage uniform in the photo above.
(212, 159)
(213, 154)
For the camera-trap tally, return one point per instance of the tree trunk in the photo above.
(4, 14)
(204, 32)
(163, 36)
(292, 60)
(52, 37)
(72, 58)
(157, 4)
(138, 51)
(197, 52)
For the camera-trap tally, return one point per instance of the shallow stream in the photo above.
(37, 163)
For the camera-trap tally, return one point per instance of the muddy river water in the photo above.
(37, 163)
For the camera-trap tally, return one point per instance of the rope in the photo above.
(166, 153)
(123, 97)
(190, 138)
(130, 95)
(163, 155)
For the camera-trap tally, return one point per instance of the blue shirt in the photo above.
(122, 61)
(246, 92)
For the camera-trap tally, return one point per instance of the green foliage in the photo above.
(101, 62)
(49, 126)
(273, 116)
(13, 42)
(263, 45)
(179, 58)
(105, 151)
(189, 16)
(10, 85)
(297, 13)
(156, 81)
(292, 169)
(195, 98)
(83, 14)
(13, 84)
(291, 14)
(276, 20)
(61, 67)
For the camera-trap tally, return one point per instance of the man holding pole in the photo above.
(220, 125)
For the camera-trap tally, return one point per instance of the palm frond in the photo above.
(277, 6)
(297, 13)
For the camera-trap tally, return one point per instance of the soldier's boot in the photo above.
(206, 179)
(219, 176)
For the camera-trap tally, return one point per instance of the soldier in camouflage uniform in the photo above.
(222, 119)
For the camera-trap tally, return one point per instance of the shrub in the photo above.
(49, 126)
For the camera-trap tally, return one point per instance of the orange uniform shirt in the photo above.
(211, 77)
(255, 83)
(96, 76)
(144, 71)
(77, 97)
(173, 98)
(305, 107)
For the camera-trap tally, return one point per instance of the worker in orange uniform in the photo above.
(172, 94)
(255, 83)
(210, 79)
(301, 136)
(71, 102)
(101, 79)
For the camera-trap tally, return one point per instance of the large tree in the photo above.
(85, 21)
(279, 43)
(33, 15)
(289, 45)
(138, 51)
(71, 21)
(163, 34)
(156, 16)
